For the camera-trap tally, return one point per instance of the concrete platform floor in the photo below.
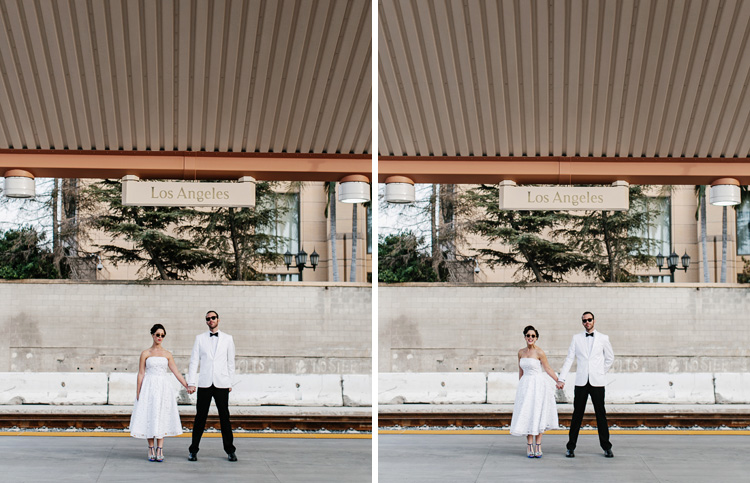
(491, 458)
(123, 459)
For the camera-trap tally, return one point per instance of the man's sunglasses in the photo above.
(211, 317)
(586, 320)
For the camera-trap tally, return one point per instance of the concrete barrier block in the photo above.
(732, 388)
(432, 388)
(122, 389)
(53, 388)
(659, 387)
(357, 389)
(287, 390)
(501, 387)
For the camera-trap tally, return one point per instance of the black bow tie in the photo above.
(216, 334)
(587, 334)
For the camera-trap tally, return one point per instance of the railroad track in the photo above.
(247, 422)
(652, 420)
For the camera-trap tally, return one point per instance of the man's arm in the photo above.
(230, 362)
(195, 358)
(568, 361)
(609, 355)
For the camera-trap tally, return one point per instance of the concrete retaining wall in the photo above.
(659, 328)
(500, 388)
(249, 390)
(278, 328)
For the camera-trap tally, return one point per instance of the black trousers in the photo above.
(221, 398)
(579, 406)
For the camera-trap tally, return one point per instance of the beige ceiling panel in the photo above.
(620, 78)
(228, 75)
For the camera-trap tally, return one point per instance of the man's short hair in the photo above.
(587, 312)
(215, 312)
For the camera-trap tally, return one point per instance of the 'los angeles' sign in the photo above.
(568, 198)
(187, 193)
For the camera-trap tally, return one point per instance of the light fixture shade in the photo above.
(672, 260)
(354, 189)
(659, 260)
(686, 260)
(399, 189)
(19, 184)
(725, 192)
(288, 258)
(301, 257)
(314, 257)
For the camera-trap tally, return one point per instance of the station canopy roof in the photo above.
(648, 91)
(185, 89)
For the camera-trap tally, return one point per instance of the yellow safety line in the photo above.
(187, 435)
(679, 432)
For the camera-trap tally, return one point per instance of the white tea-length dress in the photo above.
(535, 410)
(155, 412)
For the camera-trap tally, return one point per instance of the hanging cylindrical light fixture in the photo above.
(725, 192)
(354, 188)
(399, 189)
(19, 184)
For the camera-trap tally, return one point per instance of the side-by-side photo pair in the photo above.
(386, 241)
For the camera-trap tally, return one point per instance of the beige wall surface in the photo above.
(62, 326)
(478, 328)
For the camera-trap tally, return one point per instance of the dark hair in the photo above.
(157, 327)
(530, 327)
(587, 312)
(217, 314)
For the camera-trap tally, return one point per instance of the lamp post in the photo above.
(301, 260)
(672, 260)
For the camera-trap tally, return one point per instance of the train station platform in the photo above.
(97, 457)
(685, 456)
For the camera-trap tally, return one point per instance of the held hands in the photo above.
(191, 389)
(560, 384)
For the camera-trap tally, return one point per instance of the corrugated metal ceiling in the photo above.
(564, 78)
(222, 76)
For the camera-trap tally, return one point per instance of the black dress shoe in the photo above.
(570, 454)
(231, 457)
(192, 457)
(608, 453)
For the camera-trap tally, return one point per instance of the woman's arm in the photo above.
(175, 371)
(520, 371)
(141, 373)
(546, 366)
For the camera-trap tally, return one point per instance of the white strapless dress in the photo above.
(155, 412)
(535, 410)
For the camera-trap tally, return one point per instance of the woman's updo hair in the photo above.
(157, 327)
(525, 331)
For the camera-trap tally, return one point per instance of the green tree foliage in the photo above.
(23, 254)
(151, 235)
(525, 237)
(614, 242)
(402, 258)
(239, 241)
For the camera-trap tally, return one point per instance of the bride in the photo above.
(535, 409)
(155, 412)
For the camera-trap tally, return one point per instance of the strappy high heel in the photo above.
(151, 454)
(159, 454)
(538, 452)
(530, 450)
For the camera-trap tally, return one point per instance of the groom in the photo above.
(594, 357)
(214, 351)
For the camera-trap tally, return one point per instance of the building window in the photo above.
(659, 231)
(743, 225)
(369, 228)
(282, 277)
(286, 228)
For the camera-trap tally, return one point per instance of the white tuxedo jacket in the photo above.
(216, 368)
(591, 366)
